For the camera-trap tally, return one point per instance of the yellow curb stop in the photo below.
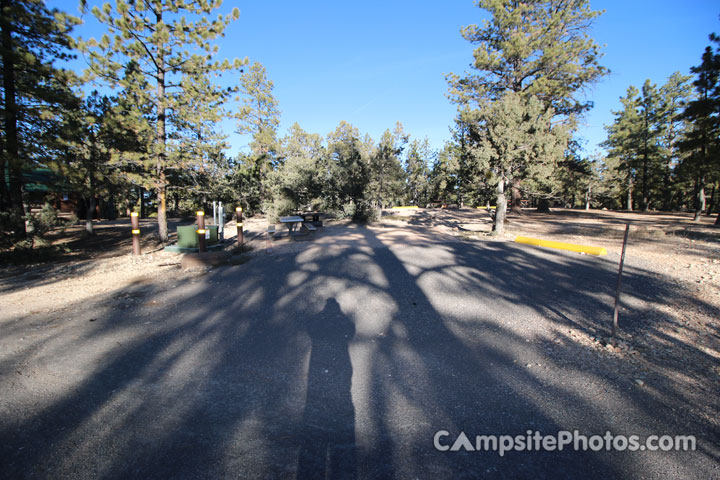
(561, 245)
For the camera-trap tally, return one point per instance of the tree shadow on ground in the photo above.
(226, 376)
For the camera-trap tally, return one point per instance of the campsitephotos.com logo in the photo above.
(562, 440)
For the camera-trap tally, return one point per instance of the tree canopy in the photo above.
(140, 129)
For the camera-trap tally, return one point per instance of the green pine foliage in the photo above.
(644, 142)
(305, 178)
(515, 139)
(162, 53)
(153, 139)
(701, 143)
(35, 93)
(536, 49)
(533, 58)
(259, 115)
(417, 172)
(386, 187)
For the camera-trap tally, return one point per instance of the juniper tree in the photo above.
(444, 175)
(417, 171)
(304, 179)
(471, 183)
(168, 44)
(34, 92)
(349, 155)
(514, 138)
(537, 50)
(387, 178)
(578, 177)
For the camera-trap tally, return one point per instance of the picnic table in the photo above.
(293, 221)
(311, 216)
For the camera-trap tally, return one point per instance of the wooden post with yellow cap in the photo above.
(201, 231)
(135, 226)
(240, 239)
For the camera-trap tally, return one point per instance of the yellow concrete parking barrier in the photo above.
(401, 208)
(492, 207)
(562, 246)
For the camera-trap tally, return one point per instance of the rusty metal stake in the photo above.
(619, 284)
(201, 231)
(240, 238)
(135, 230)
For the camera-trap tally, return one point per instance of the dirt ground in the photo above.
(668, 244)
(672, 248)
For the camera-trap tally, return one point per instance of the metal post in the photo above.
(135, 226)
(214, 213)
(240, 239)
(619, 284)
(221, 222)
(201, 231)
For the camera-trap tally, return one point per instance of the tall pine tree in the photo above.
(702, 140)
(168, 45)
(529, 52)
(34, 92)
(622, 141)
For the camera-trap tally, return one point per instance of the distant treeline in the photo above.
(151, 141)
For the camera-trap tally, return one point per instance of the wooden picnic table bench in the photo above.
(311, 216)
(292, 222)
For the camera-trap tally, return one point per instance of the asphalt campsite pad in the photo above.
(344, 357)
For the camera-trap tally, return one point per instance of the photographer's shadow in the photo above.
(327, 448)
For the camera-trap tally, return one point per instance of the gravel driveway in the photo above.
(343, 357)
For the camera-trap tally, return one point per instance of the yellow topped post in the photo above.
(135, 231)
(201, 231)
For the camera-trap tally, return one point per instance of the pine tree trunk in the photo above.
(500, 209)
(667, 193)
(645, 186)
(161, 139)
(515, 198)
(699, 201)
(711, 203)
(176, 198)
(14, 164)
(629, 195)
(90, 207)
(587, 198)
(4, 200)
(543, 206)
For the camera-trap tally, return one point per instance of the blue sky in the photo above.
(375, 63)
